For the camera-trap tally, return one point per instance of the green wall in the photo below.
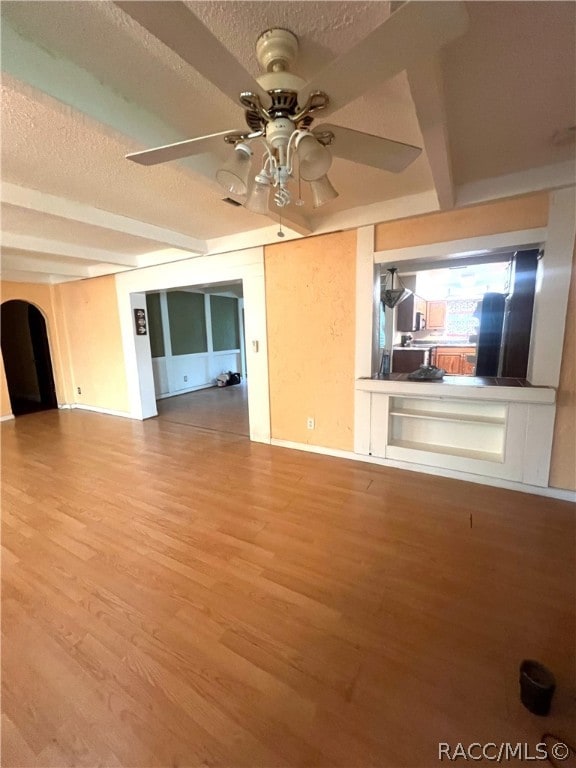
(155, 324)
(187, 322)
(225, 330)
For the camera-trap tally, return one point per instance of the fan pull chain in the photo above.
(280, 233)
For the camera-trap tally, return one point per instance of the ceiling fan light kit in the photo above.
(258, 199)
(314, 159)
(280, 107)
(233, 176)
(322, 191)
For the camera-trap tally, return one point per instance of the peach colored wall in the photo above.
(504, 216)
(42, 296)
(563, 464)
(310, 310)
(5, 407)
(89, 311)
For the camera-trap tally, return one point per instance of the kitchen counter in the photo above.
(442, 343)
(478, 387)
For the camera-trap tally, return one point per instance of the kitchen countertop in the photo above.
(421, 347)
(479, 387)
(441, 343)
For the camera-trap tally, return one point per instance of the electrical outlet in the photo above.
(310, 422)
(79, 390)
(185, 378)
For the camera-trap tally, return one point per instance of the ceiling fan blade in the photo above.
(182, 31)
(364, 148)
(180, 149)
(414, 31)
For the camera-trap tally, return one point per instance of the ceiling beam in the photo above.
(425, 80)
(546, 177)
(22, 276)
(18, 262)
(33, 200)
(41, 245)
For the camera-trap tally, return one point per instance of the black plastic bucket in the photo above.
(537, 686)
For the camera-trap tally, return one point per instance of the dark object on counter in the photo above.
(427, 373)
(406, 339)
(537, 686)
(385, 364)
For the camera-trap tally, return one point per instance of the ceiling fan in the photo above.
(280, 107)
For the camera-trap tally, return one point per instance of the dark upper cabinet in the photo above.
(411, 314)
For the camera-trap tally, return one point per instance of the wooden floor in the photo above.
(180, 597)
(224, 409)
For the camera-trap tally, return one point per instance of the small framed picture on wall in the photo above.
(140, 322)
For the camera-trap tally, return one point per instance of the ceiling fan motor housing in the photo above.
(278, 132)
(276, 49)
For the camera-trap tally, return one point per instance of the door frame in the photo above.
(246, 265)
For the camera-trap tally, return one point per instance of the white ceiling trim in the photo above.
(58, 248)
(42, 202)
(20, 276)
(547, 177)
(397, 208)
(426, 87)
(20, 263)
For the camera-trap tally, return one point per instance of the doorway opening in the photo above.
(196, 337)
(27, 361)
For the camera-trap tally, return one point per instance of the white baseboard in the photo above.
(9, 417)
(554, 493)
(184, 391)
(96, 409)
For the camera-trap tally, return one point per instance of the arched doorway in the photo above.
(27, 361)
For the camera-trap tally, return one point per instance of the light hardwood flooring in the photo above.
(180, 597)
(224, 409)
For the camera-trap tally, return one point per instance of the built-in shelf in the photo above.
(458, 417)
(502, 432)
(447, 427)
(466, 453)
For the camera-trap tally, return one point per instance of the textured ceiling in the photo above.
(82, 161)
(83, 85)
(510, 85)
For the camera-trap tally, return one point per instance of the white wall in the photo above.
(177, 374)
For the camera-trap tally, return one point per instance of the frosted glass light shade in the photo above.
(257, 201)
(233, 176)
(322, 191)
(315, 160)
